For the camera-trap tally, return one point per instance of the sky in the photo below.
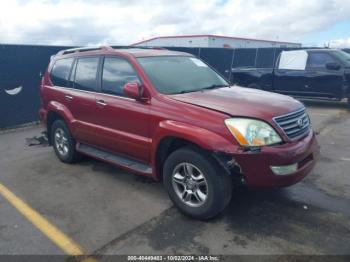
(123, 22)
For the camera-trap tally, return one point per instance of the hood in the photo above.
(239, 101)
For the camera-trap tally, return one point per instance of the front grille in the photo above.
(295, 124)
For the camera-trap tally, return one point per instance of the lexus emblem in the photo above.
(300, 123)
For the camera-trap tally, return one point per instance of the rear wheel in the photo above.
(63, 142)
(196, 184)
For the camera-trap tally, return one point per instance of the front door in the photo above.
(324, 82)
(123, 122)
(290, 81)
(290, 75)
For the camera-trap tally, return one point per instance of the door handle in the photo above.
(307, 86)
(101, 103)
(68, 97)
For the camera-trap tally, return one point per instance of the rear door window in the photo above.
(86, 73)
(60, 71)
(116, 73)
(319, 60)
(293, 60)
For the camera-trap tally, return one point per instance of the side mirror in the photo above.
(133, 90)
(332, 66)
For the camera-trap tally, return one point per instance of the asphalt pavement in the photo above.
(106, 210)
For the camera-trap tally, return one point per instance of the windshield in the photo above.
(180, 74)
(343, 56)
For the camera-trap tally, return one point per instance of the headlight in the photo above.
(251, 132)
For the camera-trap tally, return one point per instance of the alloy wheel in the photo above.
(190, 184)
(61, 142)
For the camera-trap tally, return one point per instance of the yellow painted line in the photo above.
(49, 230)
(88, 259)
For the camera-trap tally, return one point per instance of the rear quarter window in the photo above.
(60, 71)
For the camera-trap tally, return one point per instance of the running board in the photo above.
(115, 159)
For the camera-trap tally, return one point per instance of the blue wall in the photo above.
(20, 67)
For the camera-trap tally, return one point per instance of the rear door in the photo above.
(322, 81)
(290, 75)
(290, 82)
(80, 98)
(123, 122)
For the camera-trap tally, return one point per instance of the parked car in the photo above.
(169, 116)
(315, 73)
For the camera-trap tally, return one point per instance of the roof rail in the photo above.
(84, 49)
(139, 47)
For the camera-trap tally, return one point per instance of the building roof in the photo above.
(214, 36)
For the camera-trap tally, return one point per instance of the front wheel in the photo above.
(196, 184)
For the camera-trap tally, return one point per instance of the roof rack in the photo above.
(105, 48)
(84, 49)
(138, 47)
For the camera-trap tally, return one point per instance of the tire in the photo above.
(210, 195)
(254, 86)
(63, 142)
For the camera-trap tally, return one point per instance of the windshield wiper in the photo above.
(186, 91)
(214, 86)
(201, 89)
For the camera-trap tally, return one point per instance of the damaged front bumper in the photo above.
(273, 166)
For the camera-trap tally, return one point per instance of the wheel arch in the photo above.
(52, 116)
(166, 146)
(56, 111)
(171, 136)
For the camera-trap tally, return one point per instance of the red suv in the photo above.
(169, 116)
